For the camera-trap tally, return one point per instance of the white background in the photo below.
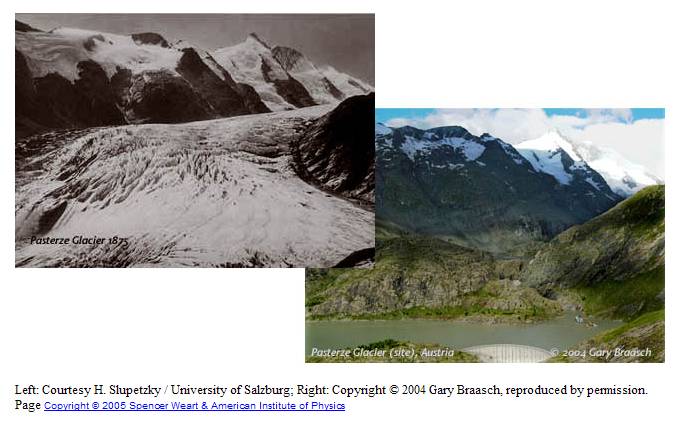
(204, 326)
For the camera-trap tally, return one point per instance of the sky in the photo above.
(635, 133)
(344, 41)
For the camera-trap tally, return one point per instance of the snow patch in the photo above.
(469, 149)
(381, 129)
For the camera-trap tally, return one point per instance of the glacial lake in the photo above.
(560, 333)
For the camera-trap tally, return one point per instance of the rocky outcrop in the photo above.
(289, 58)
(24, 27)
(416, 276)
(52, 101)
(150, 38)
(288, 88)
(409, 272)
(160, 97)
(223, 99)
(250, 98)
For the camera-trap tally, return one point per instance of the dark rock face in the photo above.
(223, 99)
(337, 152)
(287, 57)
(150, 38)
(161, 97)
(90, 43)
(23, 27)
(99, 105)
(52, 101)
(496, 201)
(334, 90)
(251, 99)
(27, 115)
(290, 89)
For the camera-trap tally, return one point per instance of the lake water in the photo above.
(561, 332)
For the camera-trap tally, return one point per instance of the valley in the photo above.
(481, 243)
(171, 155)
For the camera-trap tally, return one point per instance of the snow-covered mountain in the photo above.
(479, 190)
(554, 154)
(220, 193)
(623, 176)
(69, 78)
(283, 77)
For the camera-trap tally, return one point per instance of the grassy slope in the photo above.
(613, 263)
(644, 332)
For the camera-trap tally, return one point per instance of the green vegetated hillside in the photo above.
(612, 266)
(640, 340)
(614, 262)
(424, 277)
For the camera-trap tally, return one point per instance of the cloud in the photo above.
(640, 141)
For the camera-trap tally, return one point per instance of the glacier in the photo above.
(215, 193)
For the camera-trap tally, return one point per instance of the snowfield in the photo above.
(217, 193)
(622, 176)
(244, 63)
(59, 51)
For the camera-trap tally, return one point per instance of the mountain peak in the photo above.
(253, 37)
(552, 141)
(381, 129)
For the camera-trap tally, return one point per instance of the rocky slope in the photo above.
(337, 151)
(322, 90)
(417, 276)
(615, 261)
(479, 191)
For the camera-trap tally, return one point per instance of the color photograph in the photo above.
(505, 235)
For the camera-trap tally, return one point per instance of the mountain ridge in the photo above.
(478, 191)
(144, 78)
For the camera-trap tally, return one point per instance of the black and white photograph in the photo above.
(195, 140)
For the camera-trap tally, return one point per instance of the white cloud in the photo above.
(639, 141)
